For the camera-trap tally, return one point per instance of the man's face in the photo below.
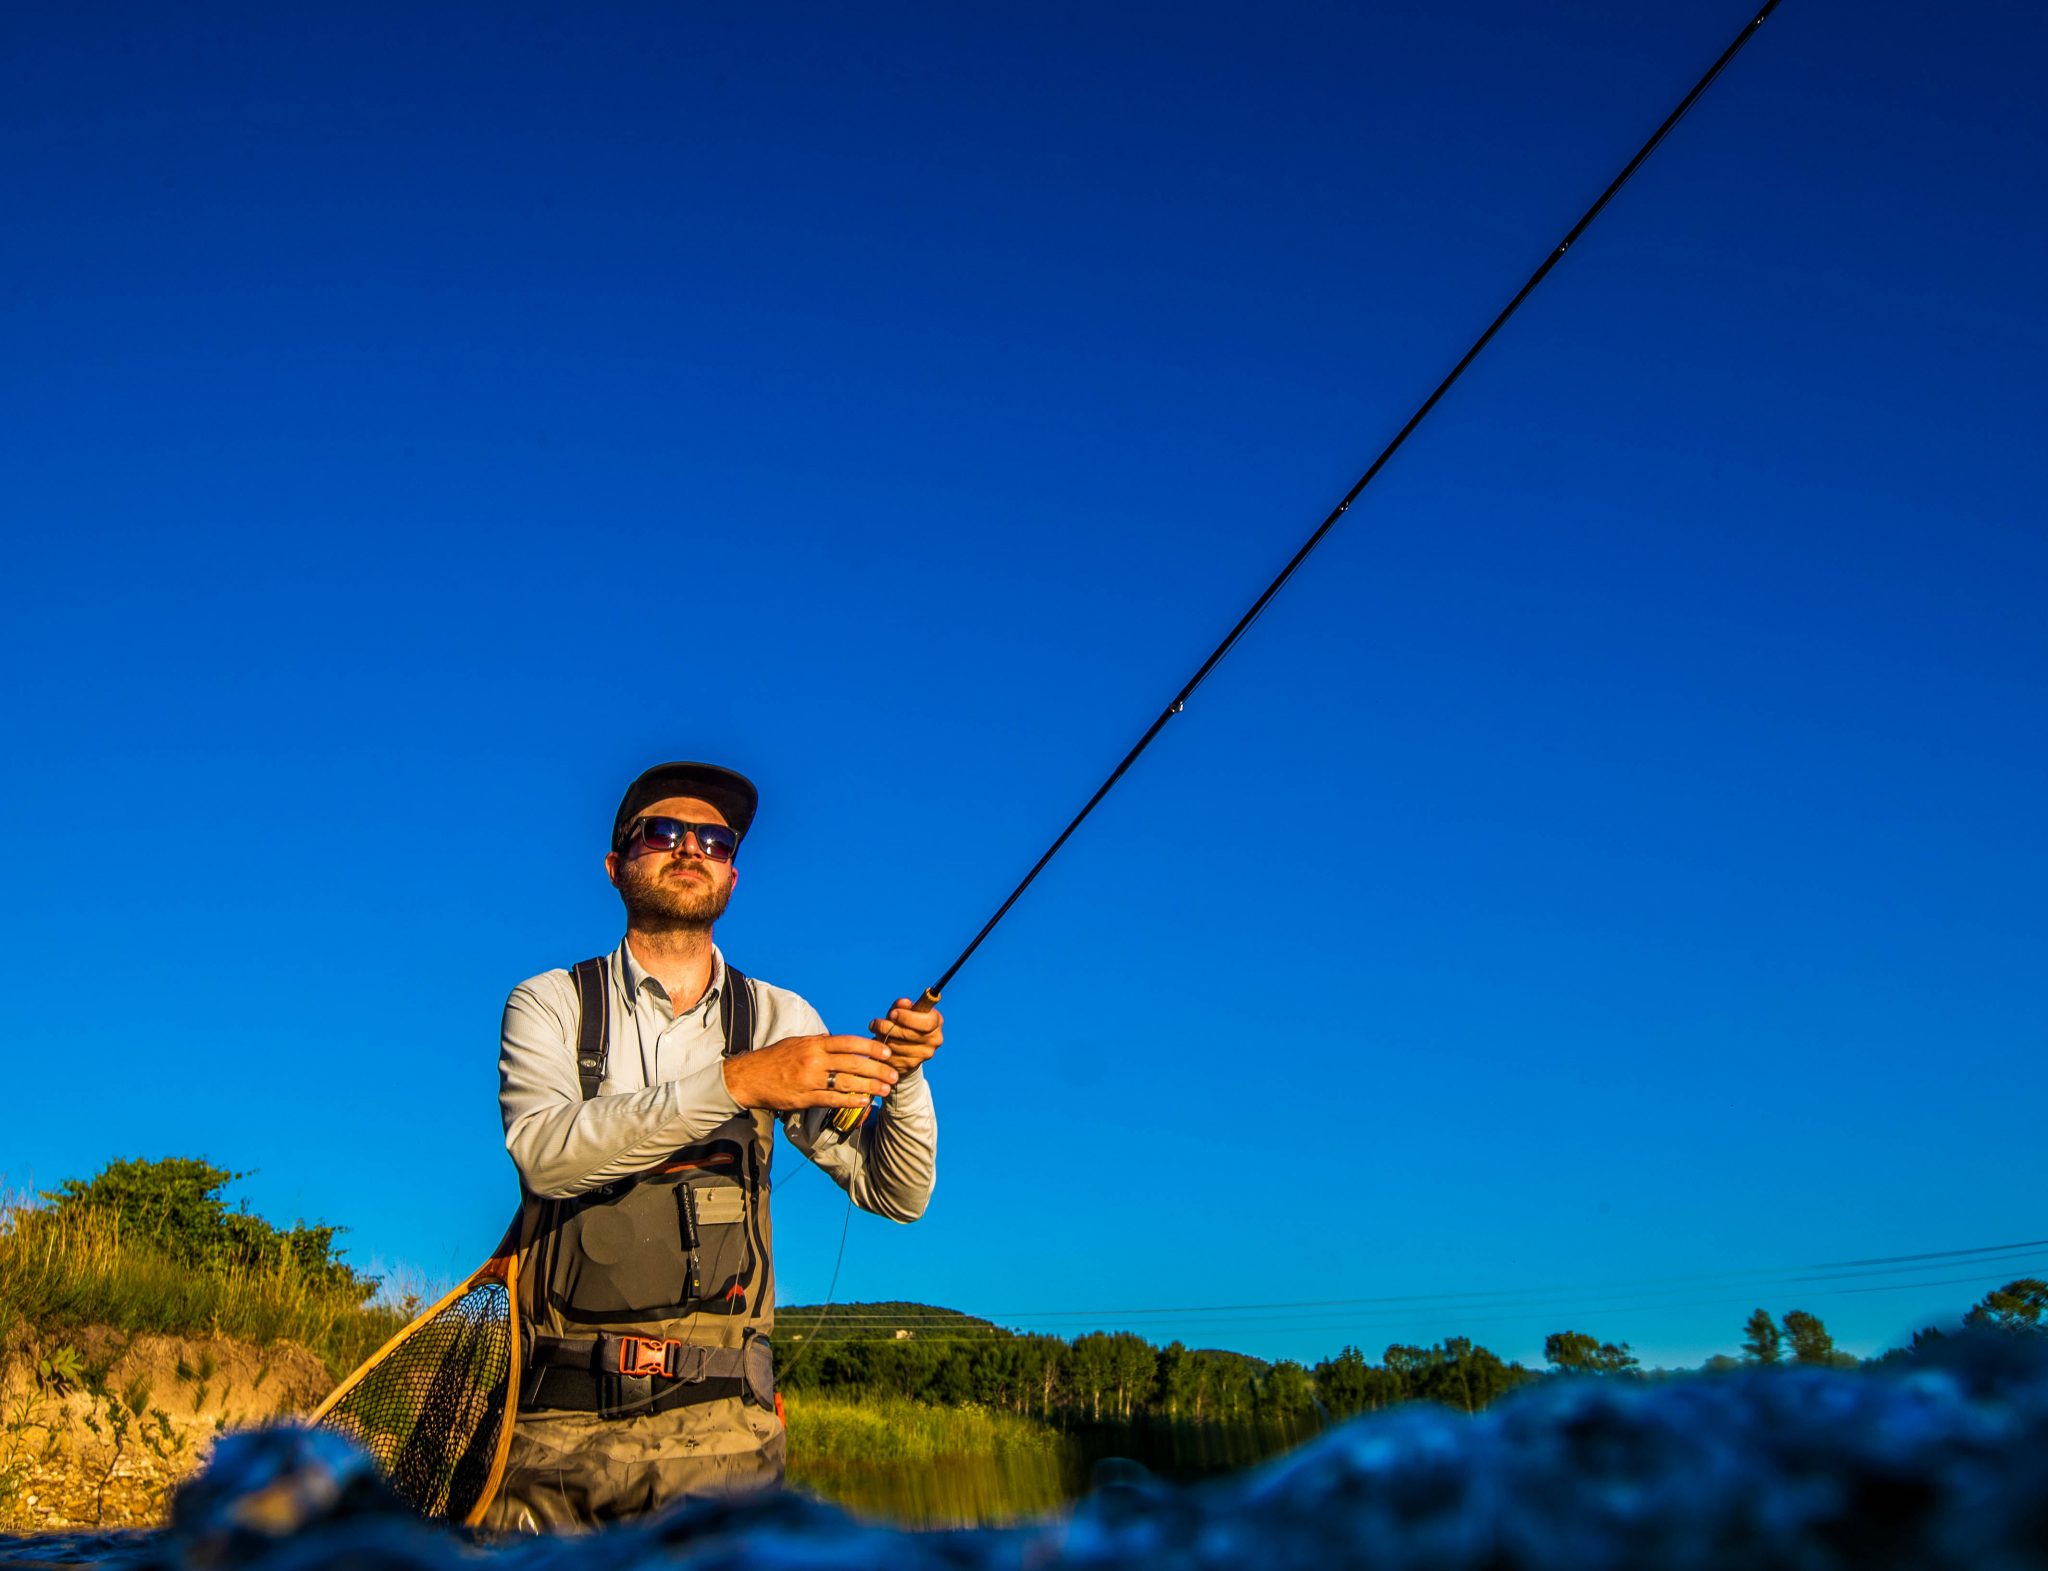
(679, 889)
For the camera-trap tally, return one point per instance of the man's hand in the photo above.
(811, 1071)
(911, 1034)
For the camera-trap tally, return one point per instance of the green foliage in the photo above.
(1102, 1381)
(60, 1370)
(1762, 1342)
(1574, 1352)
(174, 1208)
(1456, 1372)
(825, 1429)
(1811, 1343)
(2017, 1306)
(28, 1438)
(1287, 1391)
(75, 1262)
(1348, 1385)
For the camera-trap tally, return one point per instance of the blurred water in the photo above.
(983, 1491)
(962, 1492)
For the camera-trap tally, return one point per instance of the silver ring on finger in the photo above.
(831, 1080)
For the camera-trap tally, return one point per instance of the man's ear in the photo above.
(734, 870)
(611, 867)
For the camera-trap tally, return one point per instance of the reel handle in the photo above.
(847, 1119)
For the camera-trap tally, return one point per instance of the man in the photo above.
(641, 1094)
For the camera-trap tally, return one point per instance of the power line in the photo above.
(1490, 1305)
(1486, 1315)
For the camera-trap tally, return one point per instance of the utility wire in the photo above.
(1456, 1320)
(1421, 413)
(1992, 1260)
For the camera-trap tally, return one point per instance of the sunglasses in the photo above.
(715, 841)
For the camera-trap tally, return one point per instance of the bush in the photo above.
(150, 1246)
(174, 1208)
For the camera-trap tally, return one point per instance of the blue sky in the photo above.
(1607, 879)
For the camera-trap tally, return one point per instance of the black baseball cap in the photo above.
(733, 794)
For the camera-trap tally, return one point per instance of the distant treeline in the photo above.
(940, 1356)
(1118, 1375)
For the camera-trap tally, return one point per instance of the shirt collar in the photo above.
(636, 976)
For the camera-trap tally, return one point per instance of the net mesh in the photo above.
(431, 1408)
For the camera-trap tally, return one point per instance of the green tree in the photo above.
(1048, 1362)
(1232, 1382)
(1345, 1384)
(1810, 1341)
(2017, 1306)
(1408, 1366)
(1091, 1371)
(1172, 1378)
(1761, 1342)
(1459, 1373)
(1133, 1361)
(1574, 1352)
(1286, 1391)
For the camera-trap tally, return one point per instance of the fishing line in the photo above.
(1422, 411)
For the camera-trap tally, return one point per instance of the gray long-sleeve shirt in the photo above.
(664, 1086)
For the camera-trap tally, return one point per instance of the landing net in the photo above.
(434, 1404)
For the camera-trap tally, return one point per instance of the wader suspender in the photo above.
(594, 1020)
(615, 1375)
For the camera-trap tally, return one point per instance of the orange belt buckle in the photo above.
(643, 1355)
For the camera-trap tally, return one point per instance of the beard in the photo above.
(665, 898)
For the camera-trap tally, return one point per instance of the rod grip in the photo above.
(847, 1119)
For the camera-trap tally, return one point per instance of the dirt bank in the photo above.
(96, 1425)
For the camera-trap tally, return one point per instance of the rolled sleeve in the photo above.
(890, 1164)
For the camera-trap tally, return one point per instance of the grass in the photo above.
(75, 1270)
(833, 1431)
(894, 1460)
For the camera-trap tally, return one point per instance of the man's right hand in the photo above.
(810, 1071)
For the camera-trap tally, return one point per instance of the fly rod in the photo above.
(847, 1118)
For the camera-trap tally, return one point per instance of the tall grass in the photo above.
(75, 1269)
(895, 1460)
(834, 1430)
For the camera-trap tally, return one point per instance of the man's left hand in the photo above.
(911, 1034)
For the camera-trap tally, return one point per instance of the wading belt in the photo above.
(621, 1376)
(618, 1375)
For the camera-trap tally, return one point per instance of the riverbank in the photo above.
(99, 1424)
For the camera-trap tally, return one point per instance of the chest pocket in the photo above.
(668, 1243)
(678, 1240)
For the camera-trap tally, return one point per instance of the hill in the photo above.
(886, 1320)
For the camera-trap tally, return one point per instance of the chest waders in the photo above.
(656, 1291)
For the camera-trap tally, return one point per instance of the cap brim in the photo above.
(732, 793)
